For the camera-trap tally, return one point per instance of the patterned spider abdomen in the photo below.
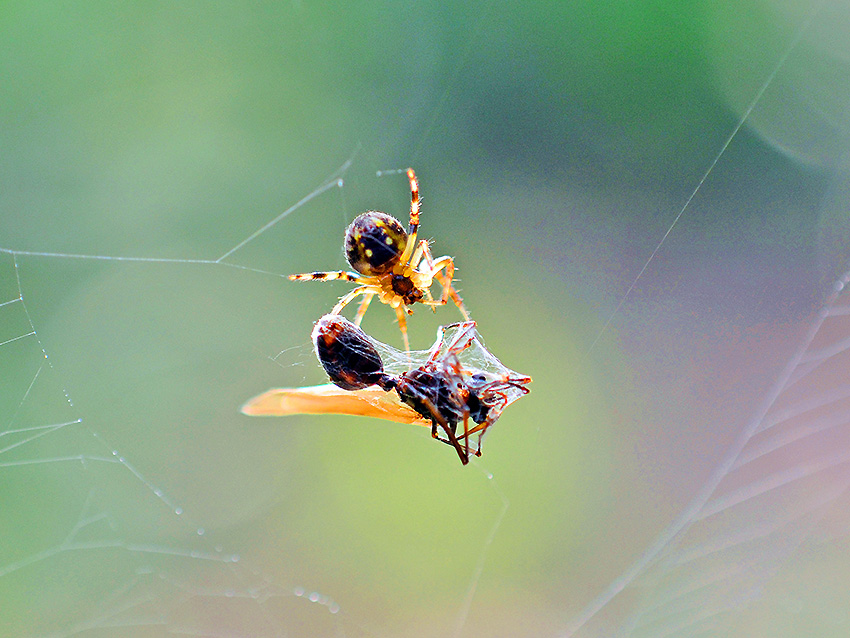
(374, 243)
(346, 353)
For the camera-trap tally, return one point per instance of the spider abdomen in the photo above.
(374, 242)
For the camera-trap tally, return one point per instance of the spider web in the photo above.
(135, 320)
(158, 567)
(780, 492)
(154, 565)
(784, 479)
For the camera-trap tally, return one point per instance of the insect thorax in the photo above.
(419, 384)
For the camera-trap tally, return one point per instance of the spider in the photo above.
(441, 390)
(392, 265)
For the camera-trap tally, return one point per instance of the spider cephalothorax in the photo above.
(391, 264)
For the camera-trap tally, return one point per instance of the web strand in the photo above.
(463, 613)
(735, 130)
(702, 506)
(95, 531)
(334, 181)
(691, 513)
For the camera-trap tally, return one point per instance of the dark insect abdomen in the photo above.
(374, 243)
(346, 353)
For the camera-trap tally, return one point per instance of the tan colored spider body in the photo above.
(391, 265)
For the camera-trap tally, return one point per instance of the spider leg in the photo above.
(344, 301)
(328, 276)
(432, 271)
(448, 264)
(414, 217)
(429, 301)
(424, 279)
(402, 325)
(364, 305)
(420, 253)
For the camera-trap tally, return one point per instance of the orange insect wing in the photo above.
(330, 399)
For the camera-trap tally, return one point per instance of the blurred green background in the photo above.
(555, 144)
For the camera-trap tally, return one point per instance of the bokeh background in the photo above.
(556, 143)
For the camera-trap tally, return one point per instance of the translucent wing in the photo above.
(330, 399)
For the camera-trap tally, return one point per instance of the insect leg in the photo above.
(463, 338)
(434, 352)
(466, 431)
(466, 330)
(437, 418)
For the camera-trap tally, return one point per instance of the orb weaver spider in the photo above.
(391, 264)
